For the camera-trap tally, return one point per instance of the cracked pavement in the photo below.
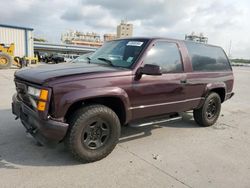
(173, 154)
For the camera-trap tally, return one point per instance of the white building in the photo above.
(71, 35)
(196, 38)
(22, 37)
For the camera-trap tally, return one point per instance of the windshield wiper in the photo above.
(106, 60)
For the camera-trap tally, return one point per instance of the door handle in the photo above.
(184, 81)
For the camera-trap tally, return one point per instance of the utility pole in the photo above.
(229, 49)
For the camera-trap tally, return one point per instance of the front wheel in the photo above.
(208, 114)
(93, 134)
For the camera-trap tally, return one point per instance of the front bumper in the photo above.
(229, 95)
(47, 132)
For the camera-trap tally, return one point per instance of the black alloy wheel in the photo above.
(212, 108)
(96, 134)
(209, 112)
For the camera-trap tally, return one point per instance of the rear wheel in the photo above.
(94, 133)
(208, 114)
(5, 61)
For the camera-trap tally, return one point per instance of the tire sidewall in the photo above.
(211, 121)
(82, 122)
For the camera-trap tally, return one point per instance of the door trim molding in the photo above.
(167, 103)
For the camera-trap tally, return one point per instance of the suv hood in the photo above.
(45, 73)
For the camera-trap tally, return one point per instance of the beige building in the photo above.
(81, 38)
(124, 30)
(109, 36)
(87, 43)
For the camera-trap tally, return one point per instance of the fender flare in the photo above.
(217, 85)
(209, 87)
(73, 97)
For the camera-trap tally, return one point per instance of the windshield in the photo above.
(119, 53)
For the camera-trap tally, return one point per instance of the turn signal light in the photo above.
(44, 95)
(41, 106)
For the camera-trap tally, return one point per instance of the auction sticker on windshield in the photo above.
(134, 43)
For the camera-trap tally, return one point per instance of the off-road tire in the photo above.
(9, 60)
(78, 123)
(200, 115)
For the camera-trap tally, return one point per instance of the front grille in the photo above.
(22, 93)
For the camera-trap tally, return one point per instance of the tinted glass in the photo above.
(207, 58)
(121, 53)
(166, 55)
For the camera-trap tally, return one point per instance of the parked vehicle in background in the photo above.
(82, 58)
(53, 58)
(56, 58)
(70, 57)
(42, 56)
(126, 81)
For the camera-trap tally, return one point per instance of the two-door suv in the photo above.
(125, 81)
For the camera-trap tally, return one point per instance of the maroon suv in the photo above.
(126, 81)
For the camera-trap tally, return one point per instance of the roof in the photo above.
(169, 39)
(148, 38)
(16, 27)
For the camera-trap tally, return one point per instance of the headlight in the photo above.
(34, 91)
(41, 97)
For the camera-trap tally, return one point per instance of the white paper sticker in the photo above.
(134, 43)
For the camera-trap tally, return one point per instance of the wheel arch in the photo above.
(219, 88)
(113, 102)
(221, 92)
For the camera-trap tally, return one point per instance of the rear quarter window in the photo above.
(207, 58)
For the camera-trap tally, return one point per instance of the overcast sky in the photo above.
(220, 20)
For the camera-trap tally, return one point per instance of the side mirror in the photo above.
(150, 69)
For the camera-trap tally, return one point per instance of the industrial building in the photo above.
(73, 42)
(44, 47)
(81, 38)
(22, 37)
(196, 38)
(124, 30)
(109, 36)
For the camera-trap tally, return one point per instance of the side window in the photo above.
(207, 58)
(166, 55)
